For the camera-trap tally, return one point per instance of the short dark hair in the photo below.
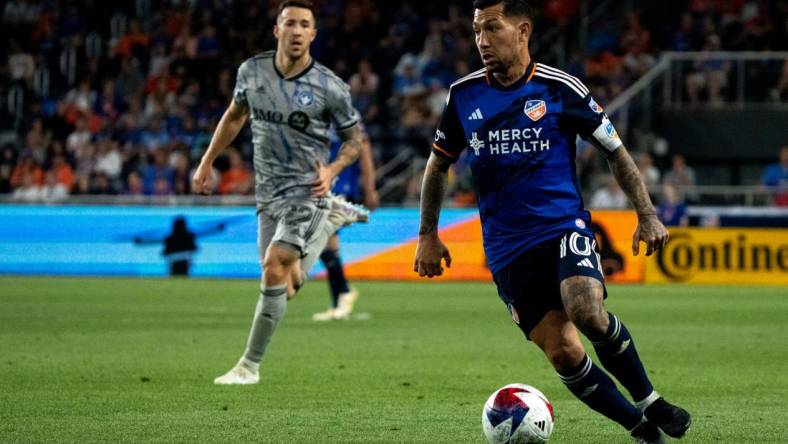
(306, 4)
(516, 8)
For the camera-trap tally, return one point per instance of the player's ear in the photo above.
(276, 31)
(525, 29)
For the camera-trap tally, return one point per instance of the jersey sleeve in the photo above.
(241, 85)
(339, 104)
(588, 119)
(449, 138)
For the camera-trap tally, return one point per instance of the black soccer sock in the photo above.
(336, 275)
(595, 388)
(617, 353)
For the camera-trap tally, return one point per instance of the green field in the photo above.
(104, 360)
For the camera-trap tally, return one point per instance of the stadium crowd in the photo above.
(122, 97)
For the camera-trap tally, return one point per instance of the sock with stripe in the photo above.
(336, 275)
(595, 388)
(617, 353)
(270, 310)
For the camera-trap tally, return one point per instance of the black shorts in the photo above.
(530, 285)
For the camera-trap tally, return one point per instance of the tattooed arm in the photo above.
(353, 142)
(431, 250)
(649, 230)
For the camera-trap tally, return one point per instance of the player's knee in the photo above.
(592, 322)
(565, 356)
(583, 298)
(275, 272)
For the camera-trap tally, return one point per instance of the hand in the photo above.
(201, 181)
(371, 200)
(322, 184)
(651, 231)
(429, 253)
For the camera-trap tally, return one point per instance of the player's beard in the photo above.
(498, 65)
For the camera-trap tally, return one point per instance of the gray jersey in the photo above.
(290, 123)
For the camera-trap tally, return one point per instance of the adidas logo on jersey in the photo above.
(476, 115)
(585, 263)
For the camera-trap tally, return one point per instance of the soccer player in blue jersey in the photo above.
(519, 120)
(356, 184)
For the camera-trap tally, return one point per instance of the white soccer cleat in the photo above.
(344, 213)
(323, 316)
(238, 375)
(346, 302)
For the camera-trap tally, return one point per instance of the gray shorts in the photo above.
(291, 223)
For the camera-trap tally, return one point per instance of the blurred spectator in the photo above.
(135, 42)
(79, 137)
(364, 88)
(685, 38)
(238, 178)
(709, 74)
(53, 189)
(27, 170)
(180, 166)
(779, 93)
(159, 177)
(101, 185)
(130, 80)
(185, 45)
(20, 63)
(134, 186)
(407, 80)
(672, 211)
(208, 43)
(436, 98)
(610, 196)
(108, 103)
(109, 161)
(7, 162)
(82, 98)
(681, 177)
(776, 176)
(27, 190)
(155, 136)
(648, 171)
(37, 141)
(63, 173)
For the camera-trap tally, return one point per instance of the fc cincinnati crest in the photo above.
(535, 109)
(305, 98)
(595, 106)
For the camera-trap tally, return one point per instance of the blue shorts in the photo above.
(530, 286)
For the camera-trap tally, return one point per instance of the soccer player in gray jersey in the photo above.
(291, 101)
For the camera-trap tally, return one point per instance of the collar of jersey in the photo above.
(297, 76)
(529, 72)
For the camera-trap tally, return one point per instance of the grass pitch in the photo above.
(132, 360)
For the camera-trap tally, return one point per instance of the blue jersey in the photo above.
(521, 141)
(348, 183)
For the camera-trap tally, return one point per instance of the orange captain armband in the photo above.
(444, 152)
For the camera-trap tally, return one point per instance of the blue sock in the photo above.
(336, 275)
(617, 353)
(595, 388)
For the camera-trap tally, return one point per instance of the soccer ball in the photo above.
(517, 414)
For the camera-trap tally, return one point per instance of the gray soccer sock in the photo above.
(270, 310)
